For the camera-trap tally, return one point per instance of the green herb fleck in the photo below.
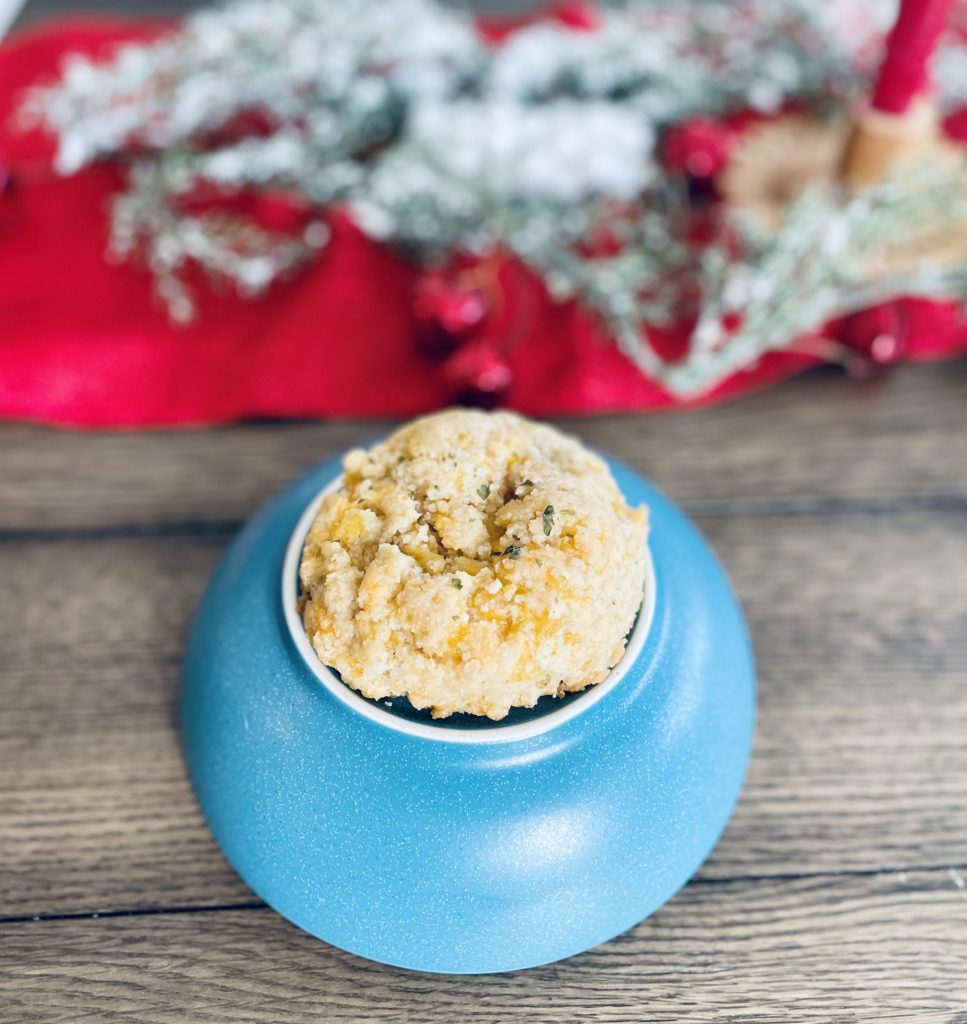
(527, 483)
(458, 583)
(539, 562)
(484, 491)
(548, 518)
(568, 511)
(512, 551)
(494, 554)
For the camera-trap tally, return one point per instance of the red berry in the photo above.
(445, 314)
(583, 17)
(699, 147)
(878, 335)
(479, 374)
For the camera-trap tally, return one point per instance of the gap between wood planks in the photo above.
(954, 871)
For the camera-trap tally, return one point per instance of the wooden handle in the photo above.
(880, 141)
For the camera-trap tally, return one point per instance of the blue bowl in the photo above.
(463, 845)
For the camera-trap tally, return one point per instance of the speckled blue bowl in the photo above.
(465, 846)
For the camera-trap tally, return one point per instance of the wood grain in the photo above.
(876, 948)
(859, 764)
(841, 515)
(902, 440)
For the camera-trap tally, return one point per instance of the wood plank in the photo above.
(861, 631)
(38, 10)
(874, 948)
(819, 438)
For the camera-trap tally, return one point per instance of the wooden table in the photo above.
(837, 894)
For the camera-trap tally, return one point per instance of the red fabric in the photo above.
(83, 342)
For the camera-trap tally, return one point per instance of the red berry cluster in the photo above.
(449, 319)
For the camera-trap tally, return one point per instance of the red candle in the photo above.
(903, 73)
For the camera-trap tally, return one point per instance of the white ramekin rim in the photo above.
(375, 712)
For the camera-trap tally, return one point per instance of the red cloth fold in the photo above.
(84, 342)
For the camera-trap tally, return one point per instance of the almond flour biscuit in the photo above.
(473, 562)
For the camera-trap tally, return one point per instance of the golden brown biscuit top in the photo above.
(473, 562)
